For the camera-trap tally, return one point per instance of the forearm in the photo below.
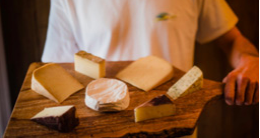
(236, 47)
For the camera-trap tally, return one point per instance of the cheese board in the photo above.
(115, 124)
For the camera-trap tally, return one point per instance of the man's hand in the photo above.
(242, 84)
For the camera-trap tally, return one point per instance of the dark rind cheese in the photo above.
(64, 123)
(159, 100)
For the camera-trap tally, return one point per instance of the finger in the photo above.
(230, 81)
(256, 95)
(250, 93)
(241, 89)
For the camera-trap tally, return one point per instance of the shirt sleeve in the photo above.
(60, 44)
(215, 19)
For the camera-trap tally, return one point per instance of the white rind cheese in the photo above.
(54, 82)
(89, 65)
(191, 81)
(147, 73)
(107, 95)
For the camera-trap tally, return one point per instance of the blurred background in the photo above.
(23, 27)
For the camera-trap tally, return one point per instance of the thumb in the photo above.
(224, 80)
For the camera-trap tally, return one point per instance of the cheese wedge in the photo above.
(158, 107)
(107, 95)
(61, 118)
(147, 73)
(89, 65)
(190, 82)
(54, 82)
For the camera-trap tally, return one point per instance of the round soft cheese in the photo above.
(107, 95)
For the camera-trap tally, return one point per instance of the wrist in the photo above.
(246, 59)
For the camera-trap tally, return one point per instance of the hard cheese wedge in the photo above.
(160, 106)
(54, 82)
(90, 65)
(147, 73)
(107, 95)
(61, 118)
(191, 81)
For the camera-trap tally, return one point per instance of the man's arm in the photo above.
(242, 83)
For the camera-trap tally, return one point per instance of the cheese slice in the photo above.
(89, 65)
(190, 82)
(54, 82)
(107, 95)
(147, 73)
(61, 118)
(158, 107)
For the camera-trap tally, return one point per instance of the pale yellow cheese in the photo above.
(156, 108)
(190, 82)
(147, 73)
(54, 82)
(89, 65)
(145, 113)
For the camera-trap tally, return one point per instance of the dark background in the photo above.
(25, 24)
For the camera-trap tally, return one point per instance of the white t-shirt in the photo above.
(126, 29)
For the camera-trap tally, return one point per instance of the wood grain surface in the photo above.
(119, 124)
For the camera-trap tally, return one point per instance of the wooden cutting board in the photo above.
(119, 124)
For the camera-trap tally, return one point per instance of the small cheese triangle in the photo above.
(61, 118)
(160, 106)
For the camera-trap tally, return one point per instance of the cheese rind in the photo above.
(54, 82)
(61, 118)
(158, 107)
(147, 73)
(89, 65)
(107, 95)
(190, 82)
